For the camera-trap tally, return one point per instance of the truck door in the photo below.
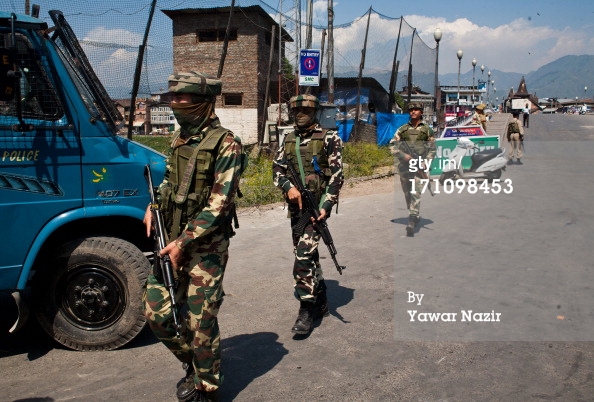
(40, 152)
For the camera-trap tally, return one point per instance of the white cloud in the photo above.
(110, 51)
(517, 46)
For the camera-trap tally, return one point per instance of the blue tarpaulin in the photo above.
(344, 129)
(387, 124)
(348, 97)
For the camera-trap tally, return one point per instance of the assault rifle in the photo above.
(310, 210)
(420, 172)
(164, 261)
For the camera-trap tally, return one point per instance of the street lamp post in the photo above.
(488, 82)
(473, 69)
(494, 89)
(436, 106)
(482, 79)
(459, 54)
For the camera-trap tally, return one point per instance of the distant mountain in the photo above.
(563, 78)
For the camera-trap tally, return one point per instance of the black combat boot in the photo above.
(186, 389)
(410, 228)
(305, 319)
(321, 304)
(510, 161)
(519, 162)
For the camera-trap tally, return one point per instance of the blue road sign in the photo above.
(309, 67)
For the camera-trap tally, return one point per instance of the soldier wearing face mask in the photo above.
(197, 200)
(316, 155)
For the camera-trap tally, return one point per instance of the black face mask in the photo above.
(192, 117)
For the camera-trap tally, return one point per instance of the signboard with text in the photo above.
(462, 131)
(445, 146)
(309, 67)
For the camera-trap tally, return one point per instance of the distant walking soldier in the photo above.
(316, 154)
(415, 136)
(515, 137)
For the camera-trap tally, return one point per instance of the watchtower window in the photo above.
(232, 99)
(215, 35)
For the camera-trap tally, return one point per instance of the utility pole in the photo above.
(394, 74)
(330, 52)
(360, 77)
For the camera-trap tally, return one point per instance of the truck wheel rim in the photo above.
(91, 297)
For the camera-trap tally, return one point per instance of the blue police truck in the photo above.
(72, 192)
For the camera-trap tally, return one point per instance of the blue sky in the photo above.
(511, 36)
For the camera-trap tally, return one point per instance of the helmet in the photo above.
(481, 106)
(415, 105)
(195, 83)
(304, 101)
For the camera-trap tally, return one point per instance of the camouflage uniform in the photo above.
(203, 234)
(323, 173)
(421, 140)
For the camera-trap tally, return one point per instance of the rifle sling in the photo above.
(299, 162)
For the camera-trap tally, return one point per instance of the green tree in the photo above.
(399, 100)
(287, 68)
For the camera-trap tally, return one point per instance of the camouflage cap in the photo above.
(193, 82)
(415, 105)
(304, 101)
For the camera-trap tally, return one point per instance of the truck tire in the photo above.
(89, 295)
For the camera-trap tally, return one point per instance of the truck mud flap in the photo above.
(23, 312)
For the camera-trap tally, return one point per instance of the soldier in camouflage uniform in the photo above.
(197, 201)
(420, 139)
(316, 154)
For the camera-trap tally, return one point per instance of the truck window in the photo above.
(38, 96)
(96, 98)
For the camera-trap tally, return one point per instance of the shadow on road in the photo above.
(248, 357)
(423, 223)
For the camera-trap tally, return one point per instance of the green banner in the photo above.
(445, 146)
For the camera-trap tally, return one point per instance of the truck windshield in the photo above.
(92, 91)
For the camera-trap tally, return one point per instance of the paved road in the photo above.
(526, 256)
(497, 125)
